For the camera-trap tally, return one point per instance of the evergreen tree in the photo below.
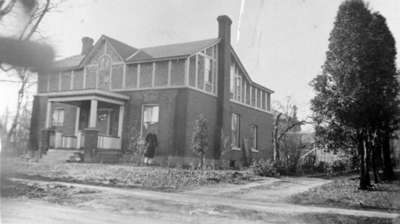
(386, 89)
(356, 99)
(200, 138)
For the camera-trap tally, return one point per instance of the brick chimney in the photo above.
(223, 122)
(87, 45)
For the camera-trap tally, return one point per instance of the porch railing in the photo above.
(108, 142)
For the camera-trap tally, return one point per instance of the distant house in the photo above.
(98, 99)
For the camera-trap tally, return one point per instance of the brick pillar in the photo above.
(90, 149)
(223, 122)
(45, 140)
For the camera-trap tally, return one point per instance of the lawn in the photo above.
(153, 178)
(343, 192)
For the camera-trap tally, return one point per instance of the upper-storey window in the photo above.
(104, 72)
(208, 74)
(235, 83)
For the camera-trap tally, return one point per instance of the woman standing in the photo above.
(151, 145)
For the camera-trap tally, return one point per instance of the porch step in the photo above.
(57, 155)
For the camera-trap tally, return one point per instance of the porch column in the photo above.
(120, 120)
(48, 114)
(93, 114)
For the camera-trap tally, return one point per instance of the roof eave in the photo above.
(247, 74)
(158, 59)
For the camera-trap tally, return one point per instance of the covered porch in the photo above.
(87, 119)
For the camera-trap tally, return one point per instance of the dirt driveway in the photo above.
(258, 202)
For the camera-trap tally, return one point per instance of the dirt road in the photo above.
(258, 202)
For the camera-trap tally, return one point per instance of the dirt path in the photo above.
(192, 202)
(33, 211)
(268, 190)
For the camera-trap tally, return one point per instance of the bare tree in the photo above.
(20, 53)
(285, 121)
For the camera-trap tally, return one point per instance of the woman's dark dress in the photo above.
(152, 143)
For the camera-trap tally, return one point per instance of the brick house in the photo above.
(99, 99)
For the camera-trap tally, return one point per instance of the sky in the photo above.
(282, 43)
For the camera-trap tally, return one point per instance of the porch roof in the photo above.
(87, 94)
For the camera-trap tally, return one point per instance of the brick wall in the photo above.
(166, 99)
(264, 122)
(200, 103)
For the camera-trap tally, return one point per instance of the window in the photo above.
(58, 117)
(263, 99)
(208, 74)
(235, 135)
(232, 81)
(253, 132)
(238, 88)
(150, 119)
(268, 101)
(104, 72)
(235, 83)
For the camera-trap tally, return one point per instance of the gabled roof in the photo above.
(171, 50)
(246, 74)
(124, 50)
(68, 63)
(131, 55)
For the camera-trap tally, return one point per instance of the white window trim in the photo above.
(142, 117)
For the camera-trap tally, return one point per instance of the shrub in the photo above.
(339, 166)
(200, 139)
(322, 167)
(265, 168)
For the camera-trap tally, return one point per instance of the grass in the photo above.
(153, 178)
(55, 193)
(343, 192)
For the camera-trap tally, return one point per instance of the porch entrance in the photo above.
(70, 117)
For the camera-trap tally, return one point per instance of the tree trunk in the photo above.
(21, 93)
(202, 161)
(374, 165)
(364, 175)
(373, 149)
(388, 173)
(275, 140)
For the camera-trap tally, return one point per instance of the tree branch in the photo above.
(38, 21)
(290, 127)
(8, 8)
